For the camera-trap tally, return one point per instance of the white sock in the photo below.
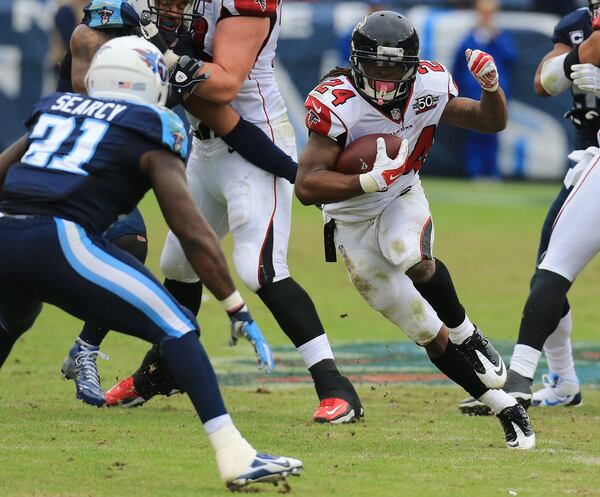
(497, 400)
(463, 331)
(558, 350)
(316, 350)
(233, 453)
(215, 424)
(525, 360)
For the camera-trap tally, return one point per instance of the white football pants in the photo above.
(378, 252)
(234, 195)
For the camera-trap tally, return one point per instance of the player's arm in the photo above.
(317, 182)
(197, 238)
(237, 43)
(488, 115)
(85, 42)
(559, 49)
(11, 155)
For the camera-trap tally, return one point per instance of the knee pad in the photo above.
(136, 245)
(173, 263)
(416, 318)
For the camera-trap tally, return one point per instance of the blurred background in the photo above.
(314, 38)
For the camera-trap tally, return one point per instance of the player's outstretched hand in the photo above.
(483, 68)
(586, 77)
(243, 326)
(385, 169)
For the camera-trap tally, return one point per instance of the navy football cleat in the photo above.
(80, 366)
(266, 469)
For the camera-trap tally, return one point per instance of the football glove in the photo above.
(185, 74)
(385, 170)
(594, 6)
(150, 32)
(483, 68)
(586, 77)
(243, 326)
(584, 118)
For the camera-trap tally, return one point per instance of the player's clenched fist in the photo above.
(385, 170)
(483, 68)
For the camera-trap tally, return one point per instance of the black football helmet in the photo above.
(384, 57)
(170, 16)
(594, 7)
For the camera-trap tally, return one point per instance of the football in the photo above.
(359, 156)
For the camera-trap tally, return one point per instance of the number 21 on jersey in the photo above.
(52, 133)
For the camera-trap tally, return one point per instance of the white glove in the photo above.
(483, 68)
(586, 77)
(385, 170)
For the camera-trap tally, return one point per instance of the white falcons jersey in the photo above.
(336, 109)
(259, 100)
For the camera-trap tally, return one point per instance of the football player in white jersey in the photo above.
(237, 39)
(573, 241)
(383, 227)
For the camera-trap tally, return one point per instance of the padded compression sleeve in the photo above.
(254, 145)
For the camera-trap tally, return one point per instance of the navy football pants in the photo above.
(45, 259)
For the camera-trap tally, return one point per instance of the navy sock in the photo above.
(93, 334)
(543, 309)
(254, 145)
(189, 366)
(455, 367)
(189, 295)
(293, 309)
(6, 345)
(439, 291)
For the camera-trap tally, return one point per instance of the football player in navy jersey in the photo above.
(85, 160)
(547, 321)
(102, 21)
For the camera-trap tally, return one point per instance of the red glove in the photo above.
(483, 68)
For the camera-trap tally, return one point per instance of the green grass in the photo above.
(413, 442)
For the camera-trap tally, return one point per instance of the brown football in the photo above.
(359, 156)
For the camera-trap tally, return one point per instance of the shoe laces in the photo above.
(550, 380)
(85, 360)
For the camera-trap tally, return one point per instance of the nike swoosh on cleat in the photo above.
(334, 410)
(394, 176)
(500, 370)
(551, 403)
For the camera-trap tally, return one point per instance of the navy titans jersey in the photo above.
(572, 30)
(83, 155)
(116, 17)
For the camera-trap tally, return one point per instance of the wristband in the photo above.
(233, 303)
(368, 183)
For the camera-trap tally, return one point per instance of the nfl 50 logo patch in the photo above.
(425, 103)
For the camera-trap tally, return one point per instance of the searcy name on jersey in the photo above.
(80, 106)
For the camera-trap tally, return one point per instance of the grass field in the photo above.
(413, 442)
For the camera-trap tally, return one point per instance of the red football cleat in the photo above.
(334, 411)
(124, 394)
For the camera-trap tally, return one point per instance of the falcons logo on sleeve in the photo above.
(262, 4)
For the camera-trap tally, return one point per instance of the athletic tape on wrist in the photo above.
(233, 303)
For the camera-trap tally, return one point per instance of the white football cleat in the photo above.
(266, 469)
(484, 358)
(517, 427)
(558, 391)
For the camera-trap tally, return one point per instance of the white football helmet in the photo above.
(128, 68)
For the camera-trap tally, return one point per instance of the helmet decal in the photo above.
(154, 62)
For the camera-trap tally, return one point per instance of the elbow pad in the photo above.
(553, 77)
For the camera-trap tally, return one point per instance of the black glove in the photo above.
(584, 118)
(150, 32)
(185, 74)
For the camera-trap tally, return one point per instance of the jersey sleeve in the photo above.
(109, 14)
(452, 86)
(160, 127)
(253, 8)
(331, 108)
(38, 108)
(573, 28)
